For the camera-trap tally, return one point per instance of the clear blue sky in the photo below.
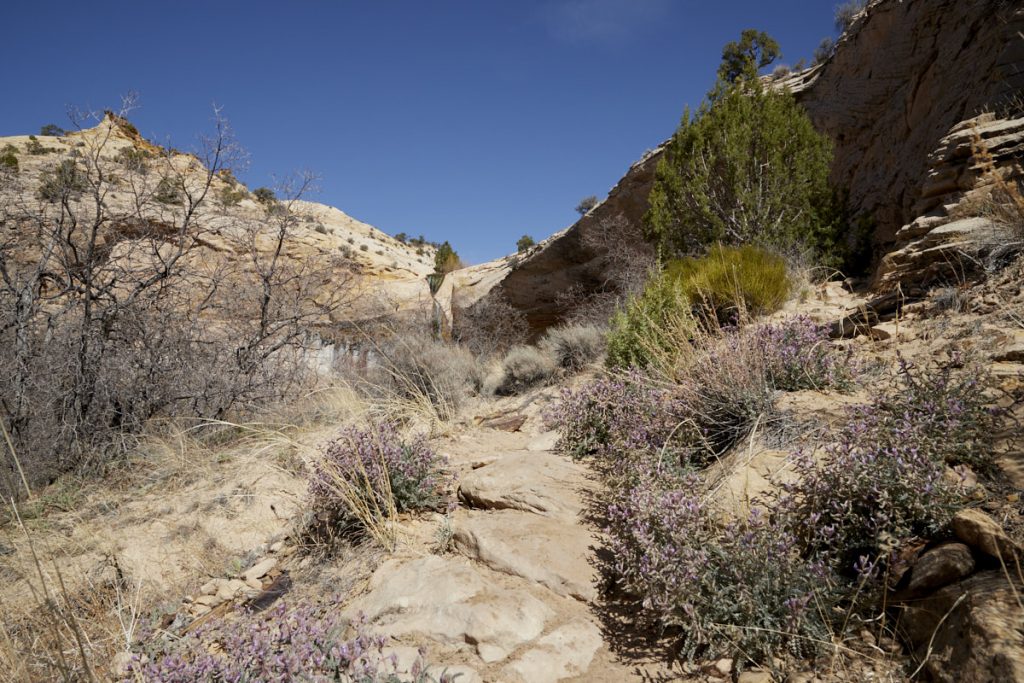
(474, 121)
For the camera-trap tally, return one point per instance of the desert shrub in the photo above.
(748, 166)
(729, 282)
(799, 355)
(367, 475)
(882, 479)
(651, 326)
(284, 643)
(573, 347)
(739, 590)
(133, 159)
(9, 158)
(429, 371)
(229, 196)
(491, 325)
(824, 50)
(524, 243)
(265, 196)
(847, 12)
(781, 71)
(61, 182)
(522, 367)
(725, 285)
(402, 237)
(34, 147)
(168, 192)
(363, 247)
(611, 417)
(446, 259)
(586, 204)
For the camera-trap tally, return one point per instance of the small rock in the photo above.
(208, 600)
(940, 567)
(724, 666)
(209, 588)
(254, 584)
(755, 677)
(545, 442)
(277, 547)
(260, 569)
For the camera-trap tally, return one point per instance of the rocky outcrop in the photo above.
(899, 81)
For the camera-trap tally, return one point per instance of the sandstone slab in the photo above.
(448, 600)
(565, 652)
(541, 482)
(551, 552)
(940, 567)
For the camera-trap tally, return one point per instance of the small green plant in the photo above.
(402, 237)
(133, 159)
(265, 196)
(61, 182)
(730, 282)
(34, 147)
(230, 196)
(363, 247)
(524, 243)
(9, 158)
(586, 204)
(650, 326)
(168, 192)
(824, 50)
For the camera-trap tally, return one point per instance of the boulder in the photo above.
(940, 567)
(970, 631)
(978, 530)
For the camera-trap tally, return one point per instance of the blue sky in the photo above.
(474, 121)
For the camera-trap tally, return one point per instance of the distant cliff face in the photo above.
(899, 98)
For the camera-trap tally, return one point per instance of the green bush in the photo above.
(52, 130)
(133, 159)
(446, 259)
(167, 192)
(726, 284)
(586, 204)
(731, 281)
(524, 243)
(61, 182)
(34, 147)
(265, 196)
(748, 166)
(9, 158)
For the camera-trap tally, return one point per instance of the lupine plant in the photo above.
(611, 417)
(882, 478)
(366, 474)
(304, 643)
(798, 355)
(735, 591)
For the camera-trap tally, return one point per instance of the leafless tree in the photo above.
(124, 295)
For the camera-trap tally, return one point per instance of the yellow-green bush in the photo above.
(731, 281)
(728, 283)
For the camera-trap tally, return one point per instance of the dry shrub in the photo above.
(522, 368)
(490, 326)
(573, 347)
